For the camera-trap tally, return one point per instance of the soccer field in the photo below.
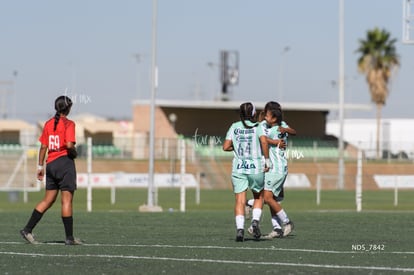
(329, 238)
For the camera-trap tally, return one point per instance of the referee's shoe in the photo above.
(73, 241)
(28, 236)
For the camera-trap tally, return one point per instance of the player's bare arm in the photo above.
(288, 130)
(228, 145)
(276, 142)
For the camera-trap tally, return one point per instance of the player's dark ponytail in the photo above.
(57, 117)
(248, 112)
(62, 106)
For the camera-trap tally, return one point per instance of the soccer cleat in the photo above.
(288, 228)
(73, 242)
(250, 230)
(28, 236)
(276, 233)
(256, 229)
(240, 235)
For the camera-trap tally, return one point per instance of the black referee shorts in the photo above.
(61, 174)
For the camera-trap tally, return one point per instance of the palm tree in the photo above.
(378, 59)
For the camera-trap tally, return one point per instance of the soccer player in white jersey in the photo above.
(249, 144)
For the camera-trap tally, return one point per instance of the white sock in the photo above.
(256, 214)
(275, 222)
(250, 202)
(239, 222)
(283, 216)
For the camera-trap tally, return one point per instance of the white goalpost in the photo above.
(320, 178)
(16, 175)
(182, 172)
(89, 172)
(358, 183)
(332, 179)
(118, 179)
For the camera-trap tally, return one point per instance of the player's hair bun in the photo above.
(63, 104)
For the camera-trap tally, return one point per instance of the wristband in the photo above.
(268, 163)
(40, 167)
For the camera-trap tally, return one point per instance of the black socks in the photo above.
(34, 219)
(68, 224)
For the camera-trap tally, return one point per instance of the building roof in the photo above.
(86, 117)
(14, 125)
(104, 126)
(96, 124)
(206, 104)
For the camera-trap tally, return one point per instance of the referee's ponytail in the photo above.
(62, 106)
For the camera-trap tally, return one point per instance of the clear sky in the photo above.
(87, 48)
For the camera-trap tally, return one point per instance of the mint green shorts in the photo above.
(242, 182)
(274, 182)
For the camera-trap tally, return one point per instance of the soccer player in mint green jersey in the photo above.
(248, 143)
(277, 132)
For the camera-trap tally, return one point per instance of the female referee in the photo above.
(58, 141)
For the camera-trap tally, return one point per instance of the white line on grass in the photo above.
(382, 268)
(272, 248)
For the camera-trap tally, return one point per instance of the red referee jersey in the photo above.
(56, 140)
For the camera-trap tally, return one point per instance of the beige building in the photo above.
(213, 118)
(17, 132)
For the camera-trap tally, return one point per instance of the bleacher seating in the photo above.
(10, 148)
(298, 148)
(212, 151)
(313, 148)
(105, 151)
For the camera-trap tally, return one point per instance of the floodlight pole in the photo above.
(152, 204)
(151, 189)
(341, 97)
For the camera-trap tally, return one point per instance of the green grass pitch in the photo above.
(329, 238)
